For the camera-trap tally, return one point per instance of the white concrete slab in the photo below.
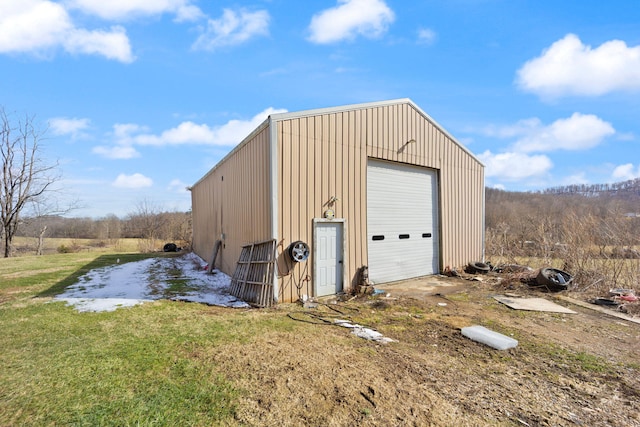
(533, 304)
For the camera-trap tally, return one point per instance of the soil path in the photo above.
(568, 369)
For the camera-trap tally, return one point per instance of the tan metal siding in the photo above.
(326, 155)
(233, 198)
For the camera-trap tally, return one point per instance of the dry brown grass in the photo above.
(28, 245)
(567, 370)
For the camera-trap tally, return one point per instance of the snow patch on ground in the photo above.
(125, 285)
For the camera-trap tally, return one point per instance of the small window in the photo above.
(377, 237)
(426, 234)
(403, 236)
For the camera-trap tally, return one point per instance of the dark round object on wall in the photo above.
(299, 251)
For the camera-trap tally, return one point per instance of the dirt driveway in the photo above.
(579, 369)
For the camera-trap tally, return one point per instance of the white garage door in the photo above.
(402, 223)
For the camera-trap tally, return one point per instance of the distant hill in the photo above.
(599, 200)
(624, 189)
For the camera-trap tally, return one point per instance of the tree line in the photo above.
(629, 189)
(160, 226)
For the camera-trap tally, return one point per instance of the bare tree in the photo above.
(25, 179)
(147, 223)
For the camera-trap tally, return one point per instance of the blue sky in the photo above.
(142, 97)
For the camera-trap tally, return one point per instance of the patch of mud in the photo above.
(568, 369)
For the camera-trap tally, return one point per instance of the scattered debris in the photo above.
(478, 267)
(532, 304)
(310, 304)
(364, 285)
(626, 295)
(362, 332)
(488, 337)
(512, 268)
(606, 301)
(621, 292)
(601, 309)
(553, 279)
(450, 272)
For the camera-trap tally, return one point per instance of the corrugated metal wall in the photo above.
(233, 199)
(321, 155)
(325, 155)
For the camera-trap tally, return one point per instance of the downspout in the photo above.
(273, 178)
(484, 216)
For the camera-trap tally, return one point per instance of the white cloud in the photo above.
(570, 67)
(426, 36)
(66, 126)
(31, 24)
(177, 186)
(514, 166)
(233, 28)
(123, 9)
(121, 131)
(136, 180)
(578, 132)
(521, 127)
(38, 26)
(189, 132)
(128, 135)
(113, 44)
(369, 18)
(117, 152)
(123, 148)
(626, 172)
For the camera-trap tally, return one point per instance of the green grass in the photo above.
(575, 361)
(129, 367)
(134, 366)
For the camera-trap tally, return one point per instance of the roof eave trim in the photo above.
(342, 108)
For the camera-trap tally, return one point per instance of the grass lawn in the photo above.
(169, 363)
(127, 367)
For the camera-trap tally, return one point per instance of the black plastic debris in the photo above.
(170, 247)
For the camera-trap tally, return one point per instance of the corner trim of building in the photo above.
(273, 177)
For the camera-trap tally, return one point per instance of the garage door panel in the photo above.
(401, 213)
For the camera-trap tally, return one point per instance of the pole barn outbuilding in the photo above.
(378, 184)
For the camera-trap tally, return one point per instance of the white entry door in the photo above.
(328, 257)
